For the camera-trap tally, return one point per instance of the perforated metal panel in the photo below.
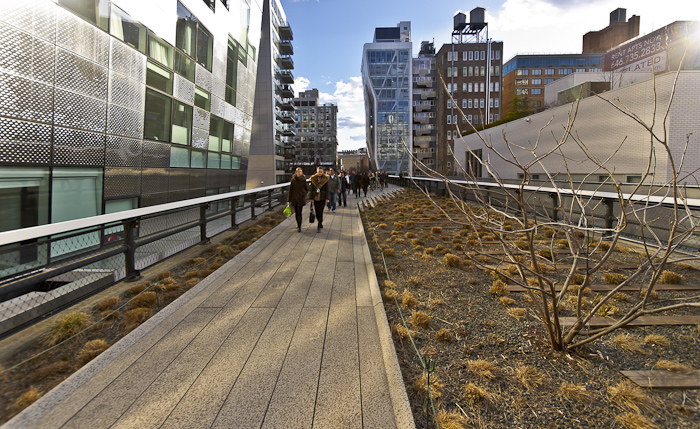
(36, 17)
(230, 114)
(122, 182)
(73, 147)
(127, 61)
(179, 180)
(174, 196)
(24, 142)
(200, 138)
(219, 88)
(198, 178)
(155, 154)
(202, 78)
(183, 89)
(124, 122)
(126, 92)
(200, 118)
(123, 152)
(26, 56)
(148, 200)
(23, 98)
(78, 111)
(218, 107)
(81, 38)
(154, 180)
(76, 74)
(196, 193)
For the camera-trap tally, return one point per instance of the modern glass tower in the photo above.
(387, 75)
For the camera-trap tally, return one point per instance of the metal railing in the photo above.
(603, 213)
(44, 268)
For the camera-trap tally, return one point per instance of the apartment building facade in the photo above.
(424, 109)
(316, 139)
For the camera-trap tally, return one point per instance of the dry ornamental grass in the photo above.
(452, 420)
(628, 396)
(482, 369)
(420, 320)
(529, 377)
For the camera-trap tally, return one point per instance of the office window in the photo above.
(129, 31)
(24, 202)
(227, 138)
(235, 162)
(449, 119)
(497, 71)
(179, 157)
(521, 72)
(496, 87)
(483, 55)
(205, 46)
(469, 86)
(495, 103)
(186, 30)
(536, 91)
(548, 72)
(159, 77)
(449, 56)
(537, 72)
(225, 162)
(76, 193)
(521, 91)
(481, 103)
(547, 81)
(481, 87)
(464, 71)
(580, 70)
(464, 56)
(449, 135)
(216, 130)
(464, 87)
(94, 11)
(182, 123)
(522, 82)
(469, 103)
(564, 71)
(157, 116)
(471, 71)
(464, 103)
(213, 160)
(483, 71)
(231, 71)
(198, 159)
(537, 81)
(184, 66)
(202, 98)
(160, 50)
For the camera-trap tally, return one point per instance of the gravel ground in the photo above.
(499, 371)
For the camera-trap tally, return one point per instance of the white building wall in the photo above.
(604, 131)
(617, 80)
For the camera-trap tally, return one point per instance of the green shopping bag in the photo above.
(288, 211)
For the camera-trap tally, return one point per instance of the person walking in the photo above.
(356, 183)
(365, 182)
(298, 188)
(344, 186)
(318, 192)
(333, 190)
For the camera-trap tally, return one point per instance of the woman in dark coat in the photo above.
(298, 189)
(318, 192)
(365, 182)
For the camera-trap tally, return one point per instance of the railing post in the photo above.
(555, 205)
(269, 199)
(609, 212)
(234, 209)
(132, 274)
(203, 224)
(253, 199)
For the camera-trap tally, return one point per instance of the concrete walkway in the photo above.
(289, 334)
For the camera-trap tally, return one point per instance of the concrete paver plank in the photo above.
(292, 404)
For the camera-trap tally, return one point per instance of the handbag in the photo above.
(312, 214)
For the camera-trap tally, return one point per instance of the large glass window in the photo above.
(179, 157)
(182, 123)
(184, 66)
(198, 159)
(160, 50)
(235, 162)
(24, 197)
(216, 126)
(213, 160)
(157, 116)
(227, 138)
(231, 71)
(205, 45)
(94, 11)
(159, 77)
(185, 30)
(129, 31)
(202, 99)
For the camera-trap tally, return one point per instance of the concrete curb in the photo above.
(397, 389)
(39, 409)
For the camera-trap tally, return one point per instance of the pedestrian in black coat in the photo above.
(356, 183)
(318, 194)
(365, 182)
(298, 188)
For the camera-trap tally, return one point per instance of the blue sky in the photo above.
(329, 35)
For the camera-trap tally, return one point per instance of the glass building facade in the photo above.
(387, 77)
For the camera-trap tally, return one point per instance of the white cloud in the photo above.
(349, 98)
(300, 84)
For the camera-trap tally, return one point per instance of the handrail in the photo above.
(690, 202)
(34, 232)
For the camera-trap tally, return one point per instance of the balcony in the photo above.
(286, 76)
(287, 118)
(422, 131)
(422, 107)
(288, 131)
(428, 95)
(285, 32)
(286, 48)
(285, 62)
(423, 72)
(423, 141)
(285, 91)
(421, 119)
(425, 82)
(287, 106)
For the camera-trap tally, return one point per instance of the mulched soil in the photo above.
(457, 299)
(133, 307)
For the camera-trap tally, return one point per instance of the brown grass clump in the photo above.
(575, 392)
(522, 245)
(410, 224)
(668, 365)
(107, 303)
(145, 300)
(684, 266)
(635, 421)
(482, 369)
(49, 371)
(529, 377)
(137, 289)
(408, 300)
(389, 284)
(546, 253)
(409, 235)
(27, 399)
(629, 343)
(669, 277)
(398, 240)
(563, 244)
(656, 340)
(398, 225)
(420, 320)
(653, 295)
(609, 310)
(622, 249)
(476, 396)
(67, 326)
(401, 332)
(389, 252)
(164, 275)
(197, 261)
(133, 318)
(452, 420)
(417, 242)
(191, 283)
(498, 288)
(604, 246)
(429, 250)
(92, 349)
(614, 278)
(621, 297)
(191, 274)
(382, 226)
(452, 260)
(420, 387)
(518, 313)
(390, 294)
(444, 336)
(243, 245)
(506, 301)
(436, 230)
(627, 395)
(433, 217)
